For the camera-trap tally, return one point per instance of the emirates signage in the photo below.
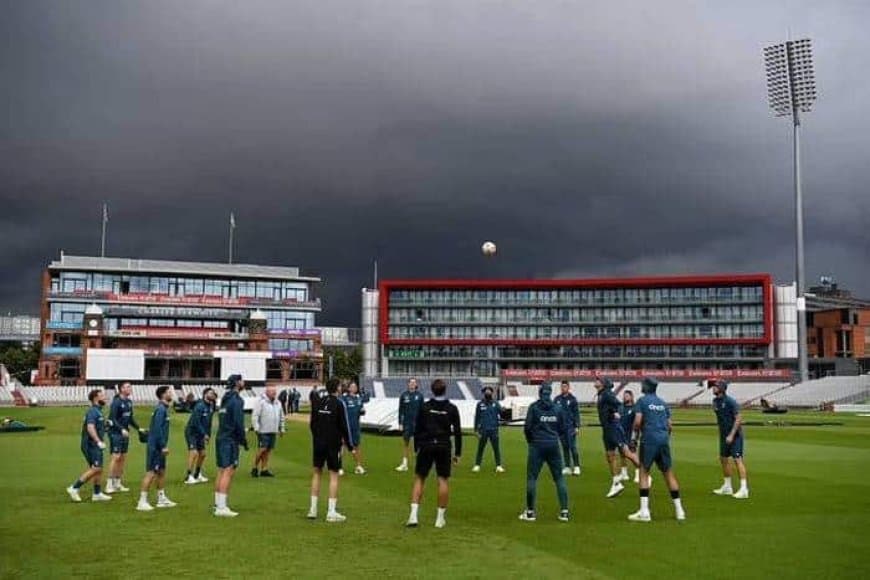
(691, 374)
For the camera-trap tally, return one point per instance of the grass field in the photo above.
(809, 516)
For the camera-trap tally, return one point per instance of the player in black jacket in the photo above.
(329, 430)
(437, 421)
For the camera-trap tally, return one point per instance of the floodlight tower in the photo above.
(791, 90)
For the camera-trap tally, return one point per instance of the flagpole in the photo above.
(232, 230)
(103, 237)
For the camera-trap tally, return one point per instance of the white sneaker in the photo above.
(624, 477)
(681, 516)
(564, 516)
(742, 493)
(312, 514)
(120, 487)
(499, 469)
(166, 503)
(101, 497)
(576, 470)
(360, 470)
(640, 516)
(335, 518)
(225, 512)
(74, 494)
(144, 507)
(411, 523)
(109, 489)
(528, 516)
(440, 523)
(340, 472)
(475, 469)
(566, 471)
(402, 467)
(615, 489)
(190, 480)
(724, 490)
(202, 479)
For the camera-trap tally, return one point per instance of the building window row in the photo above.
(418, 368)
(281, 344)
(742, 312)
(73, 282)
(597, 351)
(580, 296)
(697, 331)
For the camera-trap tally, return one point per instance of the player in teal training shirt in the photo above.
(730, 424)
(653, 421)
(544, 429)
(93, 432)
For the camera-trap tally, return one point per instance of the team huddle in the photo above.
(635, 432)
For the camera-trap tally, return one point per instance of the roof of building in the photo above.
(819, 303)
(137, 266)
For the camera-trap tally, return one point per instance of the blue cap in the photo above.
(545, 390)
(649, 385)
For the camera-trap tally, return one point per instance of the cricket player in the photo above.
(568, 402)
(487, 415)
(437, 421)
(355, 407)
(230, 436)
(329, 430)
(626, 421)
(155, 455)
(730, 439)
(93, 432)
(653, 420)
(611, 432)
(120, 420)
(409, 407)
(544, 429)
(267, 421)
(197, 434)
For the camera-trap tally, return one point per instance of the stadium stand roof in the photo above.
(137, 266)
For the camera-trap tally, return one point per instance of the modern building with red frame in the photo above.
(679, 325)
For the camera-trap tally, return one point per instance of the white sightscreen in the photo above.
(251, 365)
(116, 364)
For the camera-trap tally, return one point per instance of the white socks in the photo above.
(644, 504)
(617, 479)
(726, 483)
(678, 505)
(143, 497)
(743, 485)
(624, 473)
(439, 519)
(220, 500)
(332, 503)
(314, 503)
(161, 494)
(415, 507)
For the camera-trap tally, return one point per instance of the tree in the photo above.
(20, 359)
(346, 364)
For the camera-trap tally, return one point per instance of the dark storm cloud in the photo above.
(584, 138)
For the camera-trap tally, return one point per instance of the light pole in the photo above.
(791, 90)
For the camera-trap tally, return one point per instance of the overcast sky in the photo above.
(584, 138)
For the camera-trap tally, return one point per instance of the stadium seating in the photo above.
(392, 388)
(6, 398)
(825, 391)
(744, 393)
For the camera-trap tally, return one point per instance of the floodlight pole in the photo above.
(803, 362)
